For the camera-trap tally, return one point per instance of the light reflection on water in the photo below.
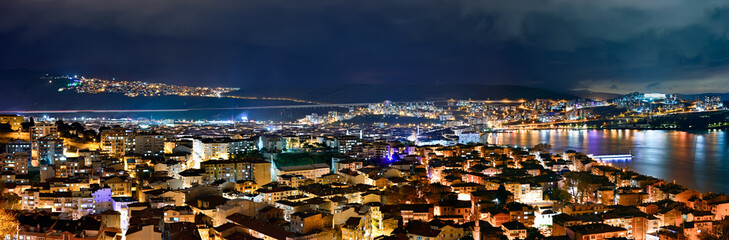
(698, 160)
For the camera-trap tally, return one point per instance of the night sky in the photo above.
(673, 46)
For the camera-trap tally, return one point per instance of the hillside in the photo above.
(25, 90)
(724, 96)
(593, 95)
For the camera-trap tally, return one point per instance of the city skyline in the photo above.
(364, 120)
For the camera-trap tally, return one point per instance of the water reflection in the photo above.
(698, 160)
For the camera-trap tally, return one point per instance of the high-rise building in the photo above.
(215, 148)
(116, 142)
(42, 129)
(89, 156)
(37, 132)
(243, 146)
(271, 143)
(149, 144)
(237, 170)
(16, 162)
(17, 146)
(345, 144)
(50, 150)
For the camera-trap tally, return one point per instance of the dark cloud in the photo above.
(545, 43)
(652, 86)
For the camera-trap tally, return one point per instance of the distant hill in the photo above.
(25, 90)
(593, 95)
(396, 92)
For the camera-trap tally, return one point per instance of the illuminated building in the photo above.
(116, 142)
(120, 186)
(38, 131)
(514, 230)
(595, 231)
(71, 168)
(13, 120)
(88, 156)
(50, 150)
(338, 164)
(345, 144)
(42, 129)
(243, 146)
(304, 223)
(215, 148)
(17, 146)
(271, 143)
(237, 170)
(16, 162)
(147, 144)
(654, 96)
(269, 194)
(246, 186)
(312, 171)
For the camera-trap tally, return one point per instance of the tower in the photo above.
(477, 230)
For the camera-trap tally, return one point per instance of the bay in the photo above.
(698, 160)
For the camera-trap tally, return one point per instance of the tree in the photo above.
(583, 185)
(718, 233)
(26, 125)
(9, 224)
(78, 127)
(5, 127)
(543, 147)
(408, 194)
(561, 196)
(392, 196)
(433, 193)
(534, 234)
(90, 135)
(502, 195)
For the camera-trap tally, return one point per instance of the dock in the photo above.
(612, 157)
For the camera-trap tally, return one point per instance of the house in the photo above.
(146, 232)
(561, 221)
(514, 230)
(39, 226)
(273, 192)
(496, 217)
(259, 229)
(207, 205)
(311, 171)
(595, 231)
(353, 228)
(179, 214)
(416, 212)
(422, 231)
(305, 223)
(521, 212)
(458, 210)
(120, 186)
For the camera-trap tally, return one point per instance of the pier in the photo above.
(613, 157)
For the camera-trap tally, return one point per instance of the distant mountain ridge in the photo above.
(25, 90)
(402, 92)
(594, 95)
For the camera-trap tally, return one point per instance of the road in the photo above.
(344, 105)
